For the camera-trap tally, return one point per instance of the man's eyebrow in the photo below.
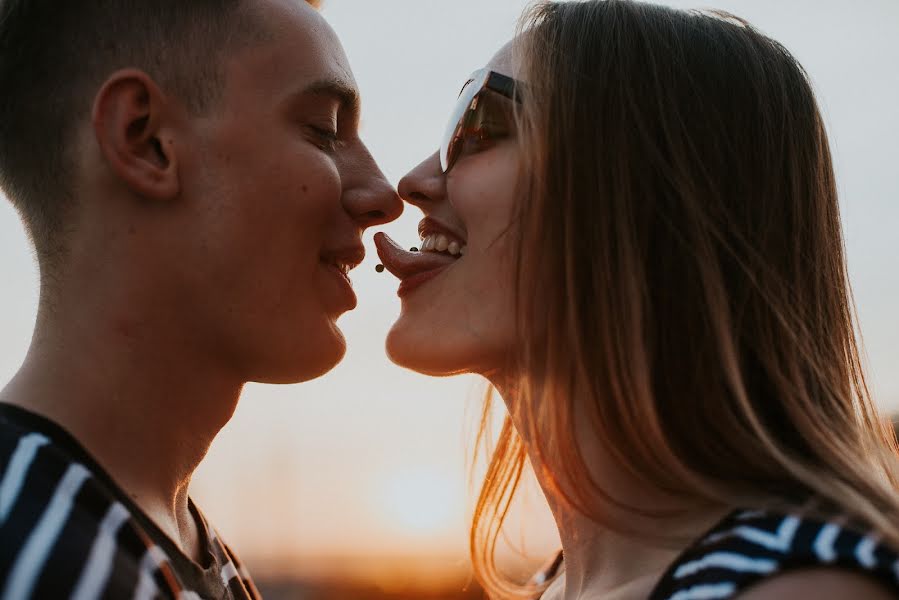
(346, 94)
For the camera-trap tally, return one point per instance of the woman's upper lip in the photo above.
(430, 225)
(402, 263)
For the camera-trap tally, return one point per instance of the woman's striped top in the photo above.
(748, 547)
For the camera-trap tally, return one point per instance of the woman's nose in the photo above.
(425, 184)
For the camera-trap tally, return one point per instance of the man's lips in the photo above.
(404, 264)
(345, 298)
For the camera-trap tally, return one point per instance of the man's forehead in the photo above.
(293, 6)
(303, 51)
(291, 18)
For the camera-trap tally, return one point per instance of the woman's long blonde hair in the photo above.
(682, 280)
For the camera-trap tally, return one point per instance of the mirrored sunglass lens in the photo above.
(452, 127)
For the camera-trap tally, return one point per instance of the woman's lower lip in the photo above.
(413, 282)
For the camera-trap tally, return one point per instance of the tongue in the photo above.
(403, 263)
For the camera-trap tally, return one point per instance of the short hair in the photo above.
(54, 56)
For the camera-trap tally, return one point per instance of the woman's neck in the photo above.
(606, 562)
(623, 553)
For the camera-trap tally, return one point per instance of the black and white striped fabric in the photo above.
(747, 547)
(68, 531)
(750, 546)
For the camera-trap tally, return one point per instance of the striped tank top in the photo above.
(750, 546)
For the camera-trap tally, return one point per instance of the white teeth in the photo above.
(342, 266)
(437, 242)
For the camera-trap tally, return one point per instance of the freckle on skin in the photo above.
(124, 328)
(305, 188)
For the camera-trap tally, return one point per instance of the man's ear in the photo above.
(132, 122)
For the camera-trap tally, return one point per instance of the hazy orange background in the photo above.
(361, 474)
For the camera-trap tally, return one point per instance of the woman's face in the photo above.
(458, 304)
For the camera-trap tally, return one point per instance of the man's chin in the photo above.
(319, 355)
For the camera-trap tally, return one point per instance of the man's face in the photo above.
(277, 188)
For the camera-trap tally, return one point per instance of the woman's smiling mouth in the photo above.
(413, 269)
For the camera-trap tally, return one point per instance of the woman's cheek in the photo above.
(484, 194)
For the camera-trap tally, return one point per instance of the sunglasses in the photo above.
(481, 116)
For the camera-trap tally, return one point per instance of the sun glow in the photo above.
(421, 503)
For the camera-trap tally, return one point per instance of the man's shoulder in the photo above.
(66, 530)
(37, 475)
(61, 532)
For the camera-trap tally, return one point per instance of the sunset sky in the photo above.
(369, 460)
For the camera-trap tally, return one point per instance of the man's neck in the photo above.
(146, 416)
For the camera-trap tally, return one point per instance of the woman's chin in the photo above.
(433, 355)
(417, 357)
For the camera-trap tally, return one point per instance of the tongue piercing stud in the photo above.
(380, 268)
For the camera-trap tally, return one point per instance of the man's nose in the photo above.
(369, 198)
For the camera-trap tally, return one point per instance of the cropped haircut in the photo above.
(55, 55)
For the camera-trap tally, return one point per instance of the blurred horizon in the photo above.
(358, 480)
